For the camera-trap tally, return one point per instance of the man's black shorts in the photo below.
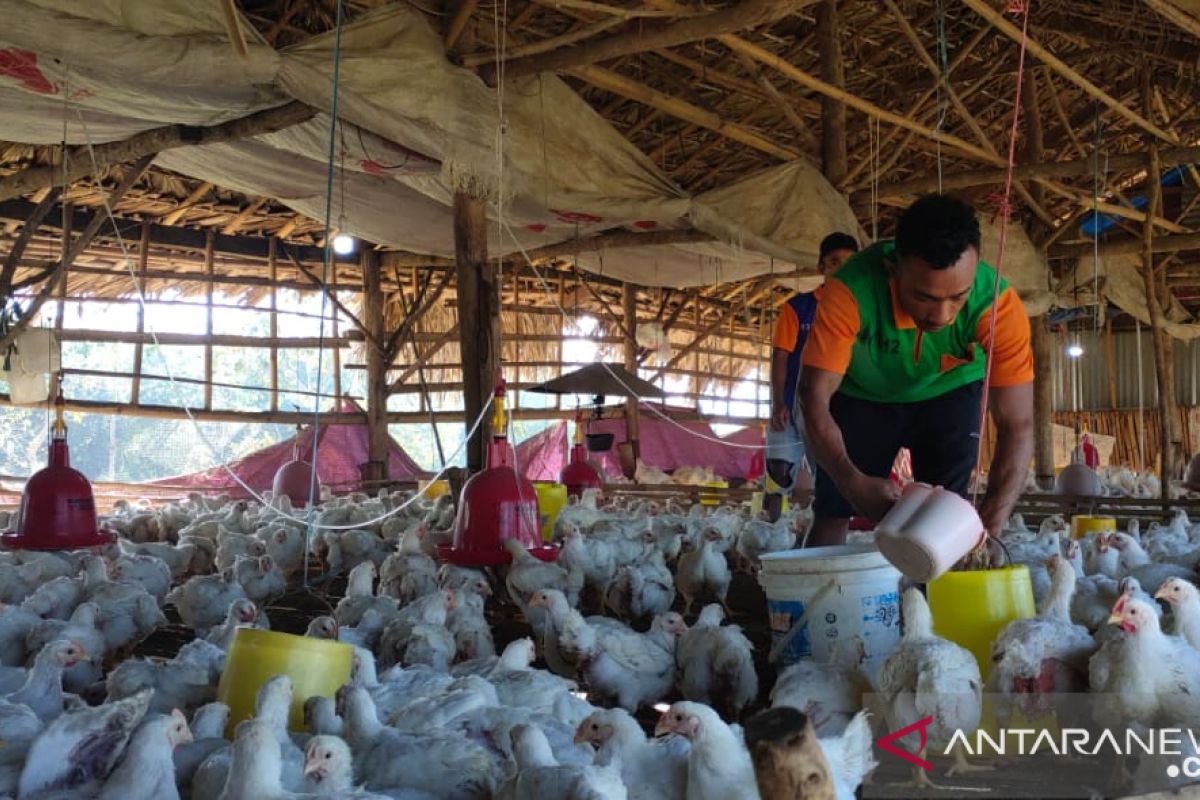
(942, 434)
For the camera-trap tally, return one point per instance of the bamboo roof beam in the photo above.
(80, 162)
(638, 36)
(458, 23)
(816, 84)
(619, 84)
(1050, 169)
(234, 225)
(997, 20)
(779, 101)
(191, 200)
(1177, 16)
(544, 45)
(960, 108)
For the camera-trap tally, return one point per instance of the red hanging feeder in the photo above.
(497, 504)
(579, 474)
(58, 510)
(294, 478)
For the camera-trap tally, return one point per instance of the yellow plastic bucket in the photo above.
(1082, 525)
(552, 497)
(712, 499)
(971, 607)
(432, 490)
(316, 666)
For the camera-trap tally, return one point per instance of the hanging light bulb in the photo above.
(343, 244)
(1074, 350)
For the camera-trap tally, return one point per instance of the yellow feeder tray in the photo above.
(1082, 525)
(552, 498)
(971, 607)
(432, 490)
(315, 666)
(712, 499)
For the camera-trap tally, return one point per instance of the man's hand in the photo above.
(871, 497)
(781, 417)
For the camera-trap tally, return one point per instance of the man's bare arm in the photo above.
(1012, 412)
(781, 415)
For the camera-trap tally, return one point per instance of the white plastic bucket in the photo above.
(847, 590)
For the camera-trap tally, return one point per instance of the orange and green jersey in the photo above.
(863, 334)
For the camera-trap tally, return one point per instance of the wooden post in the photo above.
(629, 314)
(337, 351)
(1156, 295)
(273, 271)
(68, 216)
(1110, 365)
(143, 257)
(833, 112)
(208, 320)
(1034, 140)
(478, 316)
(376, 468)
(1043, 403)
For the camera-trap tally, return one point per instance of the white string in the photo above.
(266, 504)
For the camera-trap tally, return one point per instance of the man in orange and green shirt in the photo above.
(897, 356)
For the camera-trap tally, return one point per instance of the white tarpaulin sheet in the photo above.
(1120, 282)
(415, 130)
(1024, 266)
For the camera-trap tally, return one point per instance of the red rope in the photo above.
(1004, 210)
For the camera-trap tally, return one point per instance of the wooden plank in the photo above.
(377, 363)
(833, 111)
(478, 317)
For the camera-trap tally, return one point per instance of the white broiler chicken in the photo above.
(1136, 563)
(829, 694)
(42, 690)
(632, 669)
(242, 614)
(80, 746)
(718, 766)
(15, 624)
(261, 578)
(446, 766)
(421, 623)
(286, 546)
(208, 736)
(186, 682)
(759, 536)
(232, 546)
(1148, 678)
(927, 676)
(651, 770)
(595, 558)
(563, 631)
(703, 573)
(1033, 659)
(716, 664)
(1184, 600)
(80, 628)
(348, 549)
(255, 765)
(147, 770)
(518, 685)
(329, 772)
(539, 775)
(360, 595)
(150, 572)
(203, 601)
(1094, 594)
(528, 575)
(408, 573)
(178, 558)
(19, 726)
(645, 588)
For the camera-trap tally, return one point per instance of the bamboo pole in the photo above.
(619, 84)
(273, 270)
(143, 257)
(458, 23)
(1110, 364)
(478, 317)
(833, 111)
(639, 36)
(13, 258)
(1164, 366)
(1043, 402)
(997, 20)
(376, 468)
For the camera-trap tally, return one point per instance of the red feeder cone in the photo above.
(496, 505)
(579, 475)
(58, 510)
(294, 478)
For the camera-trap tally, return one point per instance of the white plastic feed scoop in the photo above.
(928, 531)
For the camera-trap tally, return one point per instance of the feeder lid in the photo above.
(597, 379)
